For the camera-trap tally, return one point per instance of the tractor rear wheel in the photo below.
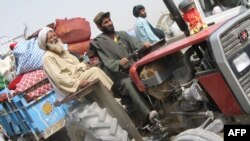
(91, 123)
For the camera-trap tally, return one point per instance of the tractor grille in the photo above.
(232, 45)
(245, 83)
(230, 40)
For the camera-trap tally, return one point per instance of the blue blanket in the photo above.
(28, 56)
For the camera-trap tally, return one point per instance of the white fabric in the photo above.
(42, 37)
(8, 68)
(217, 10)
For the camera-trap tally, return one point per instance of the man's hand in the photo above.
(124, 61)
(147, 45)
(83, 83)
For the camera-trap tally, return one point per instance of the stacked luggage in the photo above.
(26, 96)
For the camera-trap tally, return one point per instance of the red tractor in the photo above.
(201, 80)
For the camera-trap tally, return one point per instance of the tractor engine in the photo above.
(173, 82)
(201, 77)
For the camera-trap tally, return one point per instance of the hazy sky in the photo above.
(38, 13)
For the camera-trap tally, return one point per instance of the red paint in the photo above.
(219, 91)
(167, 50)
(13, 45)
(3, 97)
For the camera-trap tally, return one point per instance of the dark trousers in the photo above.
(135, 95)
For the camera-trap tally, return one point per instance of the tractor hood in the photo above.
(169, 49)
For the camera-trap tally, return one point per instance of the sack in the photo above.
(159, 33)
(28, 56)
(73, 30)
(79, 48)
(29, 80)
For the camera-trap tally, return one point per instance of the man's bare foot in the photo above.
(83, 83)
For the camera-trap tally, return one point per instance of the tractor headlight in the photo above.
(241, 62)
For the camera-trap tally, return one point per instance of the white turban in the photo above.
(42, 37)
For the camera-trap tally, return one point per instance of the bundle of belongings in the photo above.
(75, 32)
(21, 70)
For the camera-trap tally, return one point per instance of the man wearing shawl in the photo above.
(114, 47)
(67, 73)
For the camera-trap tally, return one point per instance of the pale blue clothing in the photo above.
(144, 32)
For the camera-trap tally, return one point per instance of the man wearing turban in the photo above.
(67, 73)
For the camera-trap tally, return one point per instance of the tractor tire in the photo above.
(197, 135)
(91, 123)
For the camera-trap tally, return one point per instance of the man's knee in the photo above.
(95, 70)
(127, 82)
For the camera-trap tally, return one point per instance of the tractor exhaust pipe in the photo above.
(177, 16)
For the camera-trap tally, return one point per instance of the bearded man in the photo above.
(113, 48)
(67, 73)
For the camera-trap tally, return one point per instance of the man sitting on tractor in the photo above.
(113, 49)
(67, 73)
(143, 29)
